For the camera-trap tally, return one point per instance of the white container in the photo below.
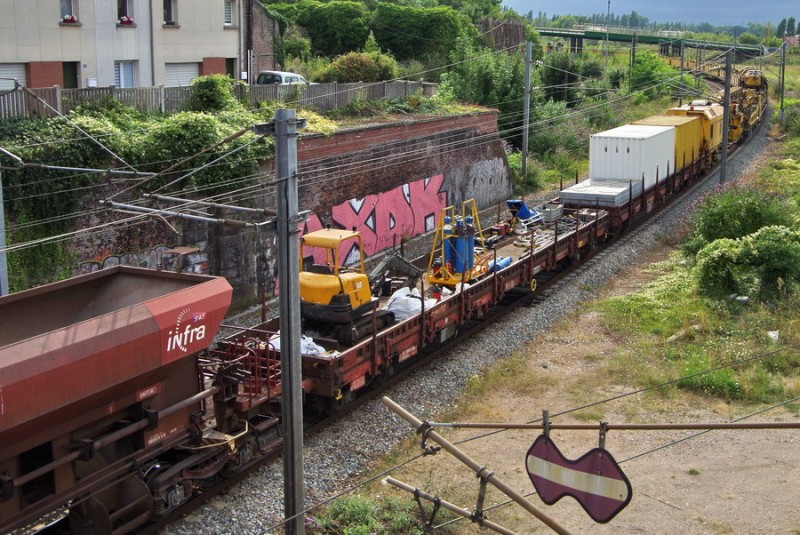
(602, 193)
(632, 151)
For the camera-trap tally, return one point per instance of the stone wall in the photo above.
(389, 181)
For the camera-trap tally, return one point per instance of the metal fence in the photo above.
(321, 97)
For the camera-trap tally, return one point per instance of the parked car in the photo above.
(280, 77)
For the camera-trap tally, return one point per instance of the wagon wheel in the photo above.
(533, 285)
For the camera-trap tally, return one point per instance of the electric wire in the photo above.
(490, 137)
(418, 456)
(642, 454)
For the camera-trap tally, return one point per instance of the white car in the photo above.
(280, 77)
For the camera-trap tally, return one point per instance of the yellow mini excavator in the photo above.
(337, 297)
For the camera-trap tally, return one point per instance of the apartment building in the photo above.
(131, 43)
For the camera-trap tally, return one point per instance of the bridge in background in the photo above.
(669, 45)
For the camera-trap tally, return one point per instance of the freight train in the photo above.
(118, 403)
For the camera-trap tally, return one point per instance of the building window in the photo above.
(67, 8)
(123, 9)
(68, 11)
(124, 74)
(169, 12)
(228, 12)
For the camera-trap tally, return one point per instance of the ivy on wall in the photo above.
(42, 203)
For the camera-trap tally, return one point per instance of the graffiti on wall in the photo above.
(387, 218)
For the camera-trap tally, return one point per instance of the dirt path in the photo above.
(719, 482)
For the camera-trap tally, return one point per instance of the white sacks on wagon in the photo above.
(622, 161)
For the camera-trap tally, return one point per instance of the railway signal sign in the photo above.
(595, 480)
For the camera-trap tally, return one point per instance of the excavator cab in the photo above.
(331, 292)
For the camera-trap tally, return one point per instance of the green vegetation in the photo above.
(744, 242)
(357, 515)
(206, 131)
(44, 202)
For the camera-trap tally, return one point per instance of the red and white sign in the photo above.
(595, 480)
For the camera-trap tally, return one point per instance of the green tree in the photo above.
(781, 30)
(791, 26)
(475, 10)
(494, 79)
(295, 43)
(559, 77)
(565, 21)
(748, 38)
(416, 33)
(335, 27)
(649, 74)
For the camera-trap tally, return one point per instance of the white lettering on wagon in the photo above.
(407, 353)
(155, 437)
(148, 392)
(187, 330)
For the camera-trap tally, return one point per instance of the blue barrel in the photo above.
(461, 246)
(470, 256)
(449, 248)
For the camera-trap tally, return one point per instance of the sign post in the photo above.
(595, 480)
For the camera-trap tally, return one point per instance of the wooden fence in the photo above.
(321, 97)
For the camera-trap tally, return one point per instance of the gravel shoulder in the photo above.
(718, 483)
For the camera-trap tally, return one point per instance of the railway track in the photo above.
(547, 288)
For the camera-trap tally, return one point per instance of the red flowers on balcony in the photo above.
(126, 20)
(69, 19)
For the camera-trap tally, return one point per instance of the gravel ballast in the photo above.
(337, 457)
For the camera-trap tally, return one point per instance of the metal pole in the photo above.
(447, 505)
(608, 22)
(682, 54)
(480, 471)
(725, 118)
(783, 74)
(527, 113)
(3, 265)
(289, 305)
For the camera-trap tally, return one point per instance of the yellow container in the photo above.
(711, 116)
(688, 136)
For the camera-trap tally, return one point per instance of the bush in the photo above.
(551, 130)
(765, 264)
(615, 76)
(718, 268)
(532, 181)
(732, 213)
(791, 117)
(773, 254)
(360, 67)
(212, 93)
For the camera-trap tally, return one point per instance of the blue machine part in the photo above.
(519, 208)
(525, 215)
(502, 262)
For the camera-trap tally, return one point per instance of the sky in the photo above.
(715, 12)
